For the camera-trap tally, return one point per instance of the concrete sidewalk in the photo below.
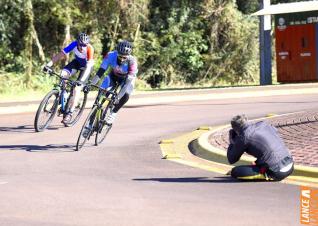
(166, 97)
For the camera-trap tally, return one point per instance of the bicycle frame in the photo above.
(55, 101)
(103, 99)
(61, 87)
(95, 122)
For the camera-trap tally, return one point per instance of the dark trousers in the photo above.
(254, 172)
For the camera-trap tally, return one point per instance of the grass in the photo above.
(25, 95)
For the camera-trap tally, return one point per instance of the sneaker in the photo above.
(86, 131)
(111, 118)
(67, 118)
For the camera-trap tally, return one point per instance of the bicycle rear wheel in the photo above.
(103, 128)
(87, 129)
(78, 111)
(46, 110)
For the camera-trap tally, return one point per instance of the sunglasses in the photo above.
(122, 57)
(82, 44)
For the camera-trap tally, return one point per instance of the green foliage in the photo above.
(251, 6)
(181, 42)
(11, 24)
(248, 7)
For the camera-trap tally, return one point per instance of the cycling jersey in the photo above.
(124, 73)
(82, 57)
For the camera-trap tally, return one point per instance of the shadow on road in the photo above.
(39, 148)
(191, 180)
(26, 129)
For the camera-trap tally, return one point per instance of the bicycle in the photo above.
(59, 96)
(95, 121)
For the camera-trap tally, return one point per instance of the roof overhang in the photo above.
(288, 8)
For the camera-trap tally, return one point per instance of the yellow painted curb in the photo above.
(204, 128)
(178, 150)
(166, 142)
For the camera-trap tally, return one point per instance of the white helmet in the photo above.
(83, 38)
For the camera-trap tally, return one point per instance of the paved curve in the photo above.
(125, 182)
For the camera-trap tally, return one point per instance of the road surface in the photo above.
(124, 181)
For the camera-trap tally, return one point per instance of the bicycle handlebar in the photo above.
(72, 82)
(113, 92)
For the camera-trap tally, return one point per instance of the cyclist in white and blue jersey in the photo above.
(83, 62)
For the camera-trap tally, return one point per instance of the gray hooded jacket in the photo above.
(262, 141)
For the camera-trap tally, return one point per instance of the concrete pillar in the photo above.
(265, 46)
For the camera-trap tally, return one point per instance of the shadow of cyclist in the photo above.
(39, 148)
(25, 128)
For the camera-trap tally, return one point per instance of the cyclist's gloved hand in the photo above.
(95, 80)
(232, 135)
(48, 67)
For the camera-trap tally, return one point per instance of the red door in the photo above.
(283, 54)
(296, 53)
(307, 52)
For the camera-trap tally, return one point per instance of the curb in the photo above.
(177, 150)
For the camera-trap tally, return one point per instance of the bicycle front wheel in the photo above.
(88, 128)
(103, 128)
(46, 110)
(78, 111)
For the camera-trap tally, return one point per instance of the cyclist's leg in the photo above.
(124, 99)
(112, 115)
(121, 102)
(75, 67)
(82, 77)
(249, 172)
(70, 69)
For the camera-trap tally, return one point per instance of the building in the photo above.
(296, 38)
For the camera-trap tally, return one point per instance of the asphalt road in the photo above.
(124, 181)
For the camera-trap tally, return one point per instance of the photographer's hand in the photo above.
(232, 135)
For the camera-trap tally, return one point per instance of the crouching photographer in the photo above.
(261, 140)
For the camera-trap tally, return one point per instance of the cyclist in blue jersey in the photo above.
(123, 68)
(83, 62)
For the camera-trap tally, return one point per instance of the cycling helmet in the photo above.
(124, 47)
(83, 38)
